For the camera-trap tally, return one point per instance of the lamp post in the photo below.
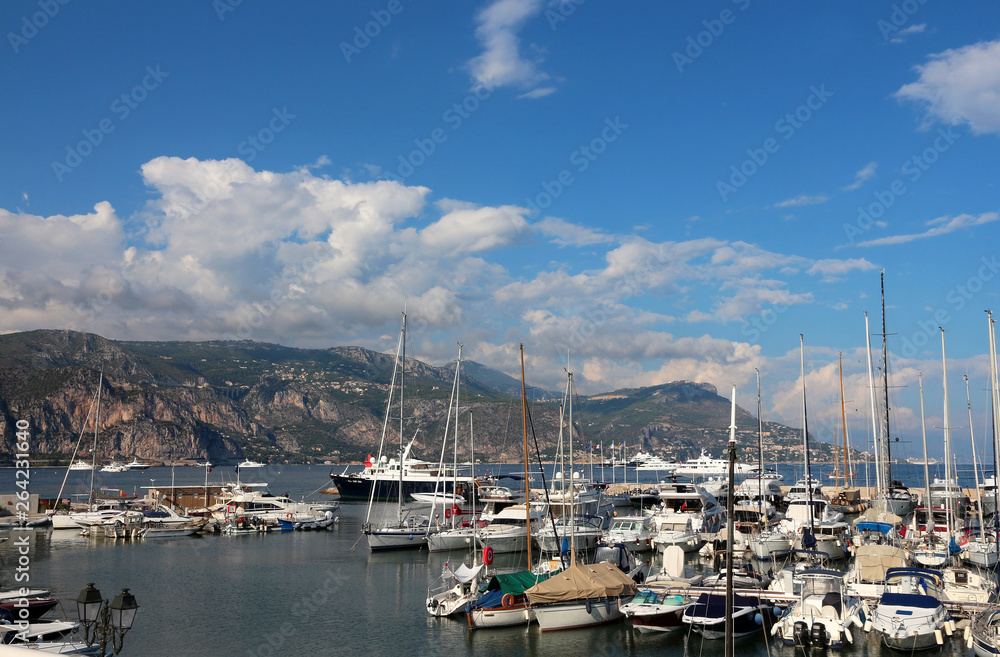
(109, 622)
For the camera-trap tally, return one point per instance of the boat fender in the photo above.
(949, 627)
(488, 555)
(507, 601)
(968, 640)
(758, 619)
(607, 606)
(849, 635)
(776, 630)
(588, 605)
(868, 626)
(938, 637)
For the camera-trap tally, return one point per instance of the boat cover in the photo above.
(515, 583)
(586, 581)
(914, 600)
(464, 574)
(874, 561)
(875, 515)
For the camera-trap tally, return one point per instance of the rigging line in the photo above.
(77, 448)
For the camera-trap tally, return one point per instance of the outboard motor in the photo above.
(818, 635)
(800, 634)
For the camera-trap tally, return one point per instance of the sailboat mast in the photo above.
(805, 437)
(887, 444)
(402, 371)
(730, 527)
(947, 438)
(524, 415)
(876, 445)
(572, 486)
(843, 414)
(975, 466)
(760, 451)
(929, 527)
(97, 425)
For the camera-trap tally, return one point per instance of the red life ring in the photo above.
(488, 555)
(289, 515)
(507, 601)
(447, 513)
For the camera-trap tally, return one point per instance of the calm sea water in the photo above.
(304, 593)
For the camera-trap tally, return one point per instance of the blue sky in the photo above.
(664, 190)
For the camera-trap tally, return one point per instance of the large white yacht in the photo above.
(706, 466)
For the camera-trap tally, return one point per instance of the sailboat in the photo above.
(981, 549)
(893, 496)
(847, 498)
(504, 602)
(405, 530)
(583, 594)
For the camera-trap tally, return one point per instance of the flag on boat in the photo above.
(368, 461)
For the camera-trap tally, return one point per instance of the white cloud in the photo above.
(501, 62)
(940, 226)
(960, 86)
(802, 199)
(565, 233)
(900, 36)
(832, 269)
(863, 176)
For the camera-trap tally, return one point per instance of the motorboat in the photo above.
(983, 633)
(910, 615)
(508, 530)
(866, 576)
(656, 611)
(684, 502)
(249, 464)
(707, 616)
(114, 466)
(634, 532)
(823, 614)
(672, 571)
(554, 537)
(81, 465)
(136, 464)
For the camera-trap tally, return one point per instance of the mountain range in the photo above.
(229, 400)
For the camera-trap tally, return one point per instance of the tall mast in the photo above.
(572, 487)
(760, 451)
(97, 425)
(876, 445)
(729, 528)
(402, 371)
(527, 500)
(887, 444)
(805, 444)
(848, 475)
(928, 505)
(947, 439)
(975, 466)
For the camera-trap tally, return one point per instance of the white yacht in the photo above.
(706, 466)
(250, 464)
(136, 464)
(81, 465)
(115, 466)
(658, 464)
(635, 533)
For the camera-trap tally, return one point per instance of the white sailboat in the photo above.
(583, 594)
(404, 531)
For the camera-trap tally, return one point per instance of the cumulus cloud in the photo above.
(939, 226)
(960, 86)
(502, 63)
(565, 233)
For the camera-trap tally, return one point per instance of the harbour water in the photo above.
(313, 593)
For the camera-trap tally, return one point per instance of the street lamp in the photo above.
(108, 621)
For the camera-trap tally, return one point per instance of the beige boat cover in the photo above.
(875, 515)
(872, 561)
(587, 581)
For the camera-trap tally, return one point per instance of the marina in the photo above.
(302, 580)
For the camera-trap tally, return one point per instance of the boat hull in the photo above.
(517, 614)
(353, 487)
(578, 613)
(396, 539)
